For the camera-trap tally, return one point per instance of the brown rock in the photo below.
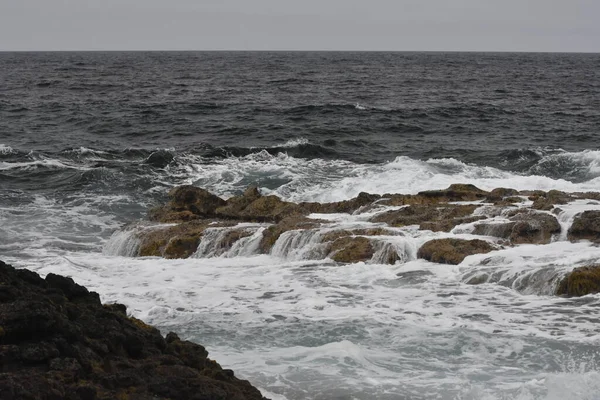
(547, 201)
(235, 205)
(438, 217)
(270, 209)
(586, 226)
(351, 249)
(455, 192)
(500, 194)
(347, 206)
(187, 203)
(273, 232)
(179, 241)
(452, 251)
(524, 227)
(580, 282)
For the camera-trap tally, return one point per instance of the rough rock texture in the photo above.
(524, 227)
(179, 241)
(455, 192)
(580, 282)
(351, 249)
(187, 203)
(546, 201)
(500, 194)
(452, 251)
(347, 206)
(435, 217)
(57, 341)
(272, 233)
(192, 209)
(586, 226)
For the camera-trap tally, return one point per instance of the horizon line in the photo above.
(290, 51)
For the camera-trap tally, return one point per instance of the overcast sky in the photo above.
(456, 25)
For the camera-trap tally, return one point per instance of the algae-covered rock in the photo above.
(586, 226)
(178, 241)
(273, 232)
(455, 192)
(435, 217)
(270, 209)
(347, 206)
(534, 228)
(452, 251)
(580, 282)
(187, 203)
(235, 205)
(351, 249)
(59, 342)
(546, 201)
(500, 194)
(525, 226)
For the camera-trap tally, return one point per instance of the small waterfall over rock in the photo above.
(300, 245)
(388, 252)
(241, 240)
(568, 212)
(124, 243)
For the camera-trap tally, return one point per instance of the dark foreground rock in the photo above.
(57, 341)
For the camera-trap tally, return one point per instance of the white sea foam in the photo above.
(585, 163)
(333, 180)
(295, 142)
(5, 149)
(304, 327)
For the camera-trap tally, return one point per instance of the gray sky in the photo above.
(487, 25)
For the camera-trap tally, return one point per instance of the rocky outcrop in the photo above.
(580, 282)
(178, 241)
(586, 226)
(187, 203)
(57, 341)
(193, 210)
(436, 217)
(547, 200)
(455, 192)
(525, 226)
(352, 249)
(452, 251)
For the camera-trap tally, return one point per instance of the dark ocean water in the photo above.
(363, 107)
(89, 141)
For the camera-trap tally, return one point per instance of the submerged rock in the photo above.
(580, 282)
(452, 251)
(586, 226)
(57, 341)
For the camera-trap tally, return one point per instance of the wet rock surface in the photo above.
(580, 282)
(586, 226)
(513, 217)
(57, 341)
(452, 251)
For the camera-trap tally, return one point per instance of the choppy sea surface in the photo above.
(90, 141)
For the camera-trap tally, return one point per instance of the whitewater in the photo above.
(299, 325)
(89, 142)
